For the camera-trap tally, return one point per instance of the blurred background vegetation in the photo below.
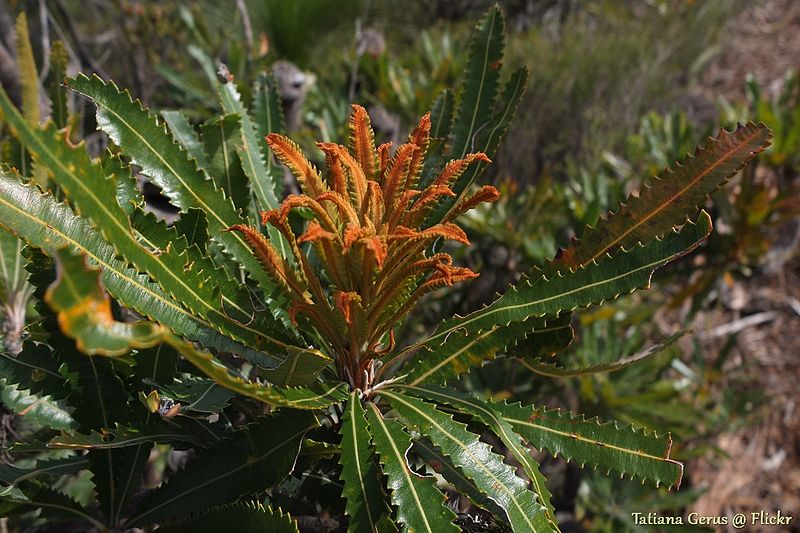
(618, 90)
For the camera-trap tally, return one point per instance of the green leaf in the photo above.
(365, 500)
(481, 79)
(441, 122)
(255, 458)
(98, 395)
(183, 132)
(12, 265)
(420, 505)
(156, 364)
(221, 136)
(36, 369)
(666, 200)
(193, 225)
(12, 474)
(147, 143)
(553, 370)
(317, 396)
(591, 284)
(632, 452)
(27, 72)
(251, 517)
(227, 297)
(263, 182)
(197, 394)
(486, 469)
(54, 505)
(93, 194)
(84, 311)
(488, 138)
(300, 368)
(266, 180)
(36, 408)
(442, 465)
(556, 335)
(157, 431)
(37, 218)
(131, 464)
(268, 118)
(460, 353)
(59, 59)
(501, 428)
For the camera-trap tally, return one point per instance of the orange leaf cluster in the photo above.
(371, 230)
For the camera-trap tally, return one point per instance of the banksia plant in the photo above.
(290, 310)
(368, 230)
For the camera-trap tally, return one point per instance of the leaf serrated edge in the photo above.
(647, 432)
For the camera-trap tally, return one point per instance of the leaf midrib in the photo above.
(401, 459)
(672, 198)
(466, 449)
(489, 312)
(512, 441)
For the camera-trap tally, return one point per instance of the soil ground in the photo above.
(760, 465)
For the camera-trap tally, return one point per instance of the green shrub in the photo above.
(289, 309)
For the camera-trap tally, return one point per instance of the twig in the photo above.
(45, 29)
(738, 325)
(248, 26)
(69, 28)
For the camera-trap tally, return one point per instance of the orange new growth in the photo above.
(372, 231)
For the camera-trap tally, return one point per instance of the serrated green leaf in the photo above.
(193, 225)
(666, 200)
(263, 182)
(59, 113)
(460, 354)
(12, 264)
(257, 457)
(556, 335)
(441, 122)
(29, 79)
(84, 311)
(589, 285)
(553, 370)
(148, 144)
(501, 428)
(36, 408)
(420, 505)
(183, 132)
(317, 396)
(251, 517)
(46, 224)
(12, 474)
(487, 470)
(488, 138)
(97, 393)
(55, 505)
(156, 364)
(36, 369)
(221, 137)
(266, 180)
(300, 368)
(158, 431)
(632, 452)
(93, 196)
(442, 465)
(481, 79)
(197, 394)
(365, 500)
